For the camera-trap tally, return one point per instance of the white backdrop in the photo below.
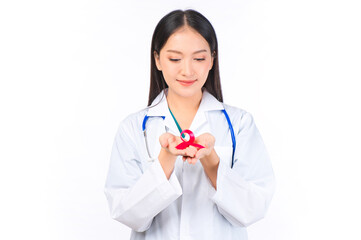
(70, 71)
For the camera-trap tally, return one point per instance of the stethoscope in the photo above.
(229, 125)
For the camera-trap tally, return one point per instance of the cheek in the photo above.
(204, 68)
(168, 66)
(169, 73)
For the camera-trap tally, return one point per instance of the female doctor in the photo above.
(212, 190)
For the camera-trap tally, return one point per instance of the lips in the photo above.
(186, 82)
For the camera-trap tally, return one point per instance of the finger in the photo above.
(174, 142)
(201, 153)
(194, 161)
(173, 147)
(209, 145)
(207, 139)
(191, 151)
(171, 139)
(163, 142)
(179, 152)
(163, 139)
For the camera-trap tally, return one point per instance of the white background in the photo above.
(70, 71)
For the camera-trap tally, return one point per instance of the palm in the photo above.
(191, 153)
(206, 140)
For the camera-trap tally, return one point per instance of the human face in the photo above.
(185, 61)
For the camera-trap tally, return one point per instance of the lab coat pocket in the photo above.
(225, 154)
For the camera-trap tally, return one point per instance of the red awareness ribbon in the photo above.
(185, 143)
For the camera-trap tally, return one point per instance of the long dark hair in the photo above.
(164, 29)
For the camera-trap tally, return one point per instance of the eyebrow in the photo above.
(199, 51)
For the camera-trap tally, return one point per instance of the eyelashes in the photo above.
(178, 59)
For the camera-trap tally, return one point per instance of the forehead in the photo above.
(186, 40)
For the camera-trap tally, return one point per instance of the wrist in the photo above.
(210, 165)
(167, 161)
(211, 160)
(165, 154)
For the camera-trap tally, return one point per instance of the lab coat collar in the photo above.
(159, 107)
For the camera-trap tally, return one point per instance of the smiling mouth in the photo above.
(186, 82)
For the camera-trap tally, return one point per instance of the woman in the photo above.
(206, 191)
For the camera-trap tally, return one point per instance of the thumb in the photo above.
(163, 139)
(171, 140)
(163, 143)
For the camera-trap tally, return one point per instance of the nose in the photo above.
(187, 68)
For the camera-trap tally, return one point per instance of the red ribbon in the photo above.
(185, 143)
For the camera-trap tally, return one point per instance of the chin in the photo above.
(187, 93)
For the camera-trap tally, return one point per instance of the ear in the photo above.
(157, 61)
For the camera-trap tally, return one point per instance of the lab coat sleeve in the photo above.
(136, 197)
(244, 192)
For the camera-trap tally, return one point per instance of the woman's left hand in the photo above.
(207, 140)
(207, 156)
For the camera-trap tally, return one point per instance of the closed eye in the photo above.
(174, 59)
(200, 59)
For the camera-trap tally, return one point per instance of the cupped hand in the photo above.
(207, 140)
(169, 142)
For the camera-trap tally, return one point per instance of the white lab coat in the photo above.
(186, 206)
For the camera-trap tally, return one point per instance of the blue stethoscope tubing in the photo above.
(232, 134)
(146, 117)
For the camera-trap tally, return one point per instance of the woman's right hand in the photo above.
(169, 153)
(169, 142)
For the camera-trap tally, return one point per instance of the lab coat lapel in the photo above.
(160, 108)
(199, 120)
(208, 103)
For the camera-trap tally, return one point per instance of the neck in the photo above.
(176, 102)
